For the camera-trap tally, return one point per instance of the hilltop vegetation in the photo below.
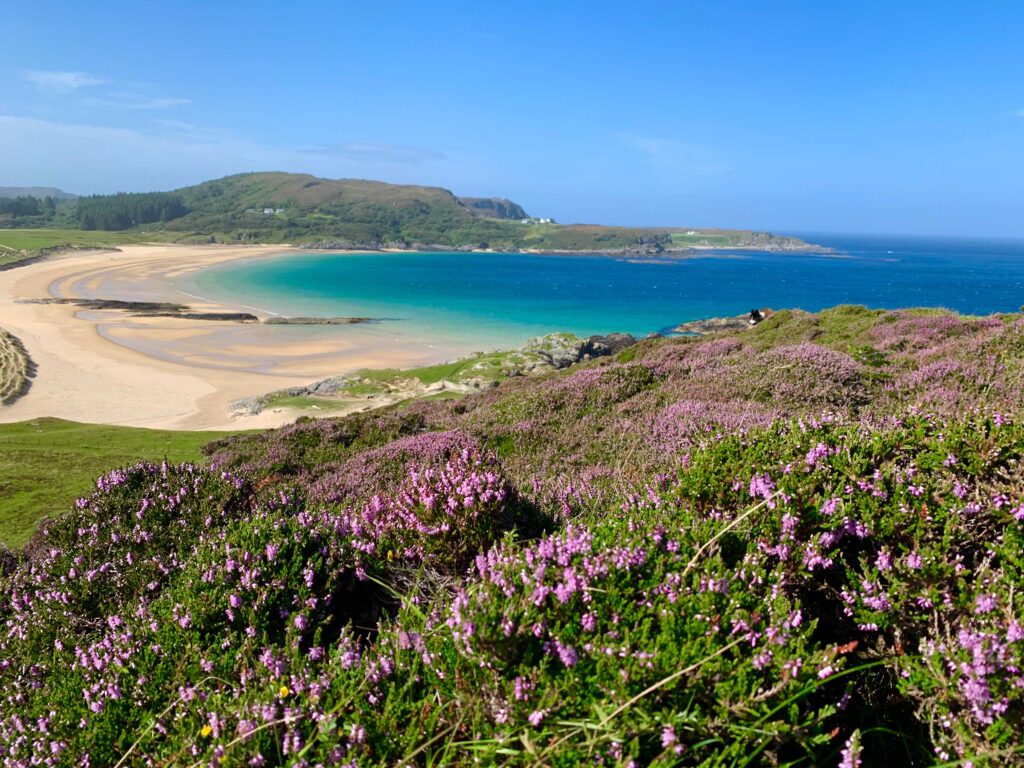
(303, 209)
(799, 544)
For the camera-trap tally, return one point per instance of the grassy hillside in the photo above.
(45, 464)
(298, 208)
(373, 213)
(17, 245)
(798, 544)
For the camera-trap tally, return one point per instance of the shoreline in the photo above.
(106, 366)
(111, 367)
(672, 252)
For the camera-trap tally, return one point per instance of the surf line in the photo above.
(243, 306)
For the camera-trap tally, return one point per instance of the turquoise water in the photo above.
(496, 299)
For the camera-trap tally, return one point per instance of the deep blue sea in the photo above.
(501, 299)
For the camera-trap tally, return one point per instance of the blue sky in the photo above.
(896, 117)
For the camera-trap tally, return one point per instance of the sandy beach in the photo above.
(114, 368)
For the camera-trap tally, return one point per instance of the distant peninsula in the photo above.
(349, 214)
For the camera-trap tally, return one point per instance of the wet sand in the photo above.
(110, 367)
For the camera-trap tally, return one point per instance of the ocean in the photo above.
(496, 300)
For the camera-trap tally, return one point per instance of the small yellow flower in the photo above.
(283, 691)
(391, 555)
(206, 730)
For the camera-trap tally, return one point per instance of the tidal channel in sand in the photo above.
(111, 367)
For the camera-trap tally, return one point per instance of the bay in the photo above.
(500, 299)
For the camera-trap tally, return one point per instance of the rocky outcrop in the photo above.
(127, 306)
(318, 320)
(168, 309)
(333, 244)
(363, 390)
(615, 342)
(560, 350)
(149, 309)
(718, 324)
(766, 241)
(248, 406)
(493, 208)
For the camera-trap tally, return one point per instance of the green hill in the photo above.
(295, 207)
(351, 213)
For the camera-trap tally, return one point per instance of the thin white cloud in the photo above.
(371, 152)
(676, 155)
(60, 82)
(1018, 112)
(97, 158)
(175, 125)
(126, 100)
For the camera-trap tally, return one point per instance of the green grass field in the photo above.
(34, 239)
(45, 464)
(721, 241)
(483, 366)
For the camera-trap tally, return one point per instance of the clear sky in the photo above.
(896, 117)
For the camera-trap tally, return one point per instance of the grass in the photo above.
(34, 239)
(45, 464)
(371, 387)
(327, 405)
(485, 365)
(21, 244)
(722, 241)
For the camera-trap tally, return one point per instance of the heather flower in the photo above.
(851, 754)
(985, 604)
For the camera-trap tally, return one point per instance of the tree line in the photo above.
(27, 206)
(125, 210)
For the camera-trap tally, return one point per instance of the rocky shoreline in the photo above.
(278, 320)
(653, 249)
(365, 390)
(719, 324)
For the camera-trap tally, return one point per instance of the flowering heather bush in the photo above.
(799, 545)
(600, 418)
(811, 374)
(378, 469)
(684, 422)
(170, 579)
